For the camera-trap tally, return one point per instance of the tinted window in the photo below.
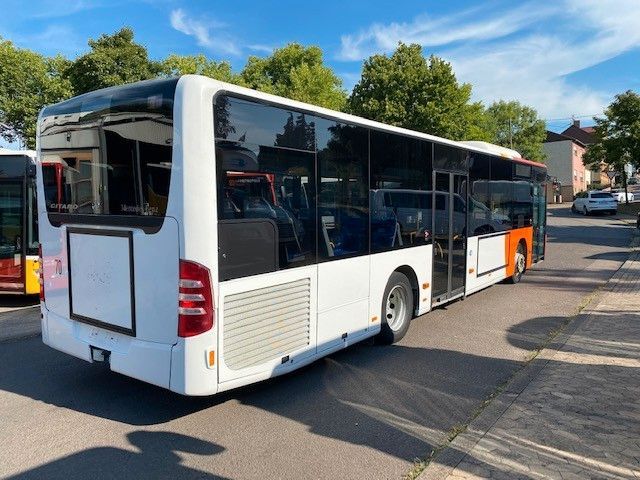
(400, 191)
(539, 174)
(601, 195)
(501, 191)
(245, 121)
(13, 166)
(343, 205)
(446, 157)
(264, 188)
(522, 171)
(522, 207)
(480, 219)
(110, 154)
(31, 227)
(11, 201)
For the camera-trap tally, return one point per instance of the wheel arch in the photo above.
(408, 272)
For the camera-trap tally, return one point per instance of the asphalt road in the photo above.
(366, 412)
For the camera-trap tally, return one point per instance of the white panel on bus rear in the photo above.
(101, 272)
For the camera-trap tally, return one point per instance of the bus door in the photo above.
(449, 235)
(539, 220)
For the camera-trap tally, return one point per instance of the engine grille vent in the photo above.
(264, 324)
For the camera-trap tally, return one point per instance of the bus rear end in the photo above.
(114, 287)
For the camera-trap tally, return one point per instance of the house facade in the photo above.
(586, 136)
(564, 162)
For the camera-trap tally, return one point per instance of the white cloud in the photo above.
(202, 32)
(433, 32)
(261, 48)
(523, 54)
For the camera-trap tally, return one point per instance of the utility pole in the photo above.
(510, 134)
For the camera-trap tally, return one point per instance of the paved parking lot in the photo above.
(19, 317)
(368, 411)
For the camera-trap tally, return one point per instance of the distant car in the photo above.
(590, 202)
(619, 195)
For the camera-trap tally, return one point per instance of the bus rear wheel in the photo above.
(397, 309)
(520, 259)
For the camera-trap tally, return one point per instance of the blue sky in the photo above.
(565, 58)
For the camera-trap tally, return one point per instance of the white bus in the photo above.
(202, 236)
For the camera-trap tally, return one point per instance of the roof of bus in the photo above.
(26, 153)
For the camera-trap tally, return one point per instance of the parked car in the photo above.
(619, 195)
(595, 201)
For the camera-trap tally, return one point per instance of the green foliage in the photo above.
(408, 90)
(113, 60)
(296, 72)
(618, 133)
(516, 126)
(28, 81)
(199, 65)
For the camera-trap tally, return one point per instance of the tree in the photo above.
(618, 135)
(113, 60)
(408, 90)
(516, 126)
(199, 65)
(296, 72)
(28, 82)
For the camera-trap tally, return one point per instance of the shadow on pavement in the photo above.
(157, 458)
(19, 301)
(395, 399)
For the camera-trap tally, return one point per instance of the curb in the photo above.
(449, 458)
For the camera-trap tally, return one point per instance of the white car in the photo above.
(590, 202)
(619, 195)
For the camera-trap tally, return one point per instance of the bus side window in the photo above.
(272, 182)
(343, 189)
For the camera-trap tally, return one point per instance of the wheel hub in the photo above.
(396, 308)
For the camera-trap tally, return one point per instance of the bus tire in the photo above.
(520, 259)
(397, 309)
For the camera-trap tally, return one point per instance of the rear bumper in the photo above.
(146, 361)
(602, 208)
(181, 367)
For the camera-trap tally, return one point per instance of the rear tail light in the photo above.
(195, 300)
(41, 272)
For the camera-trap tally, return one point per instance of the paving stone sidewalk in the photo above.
(578, 416)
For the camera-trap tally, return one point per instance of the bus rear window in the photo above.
(109, 153)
